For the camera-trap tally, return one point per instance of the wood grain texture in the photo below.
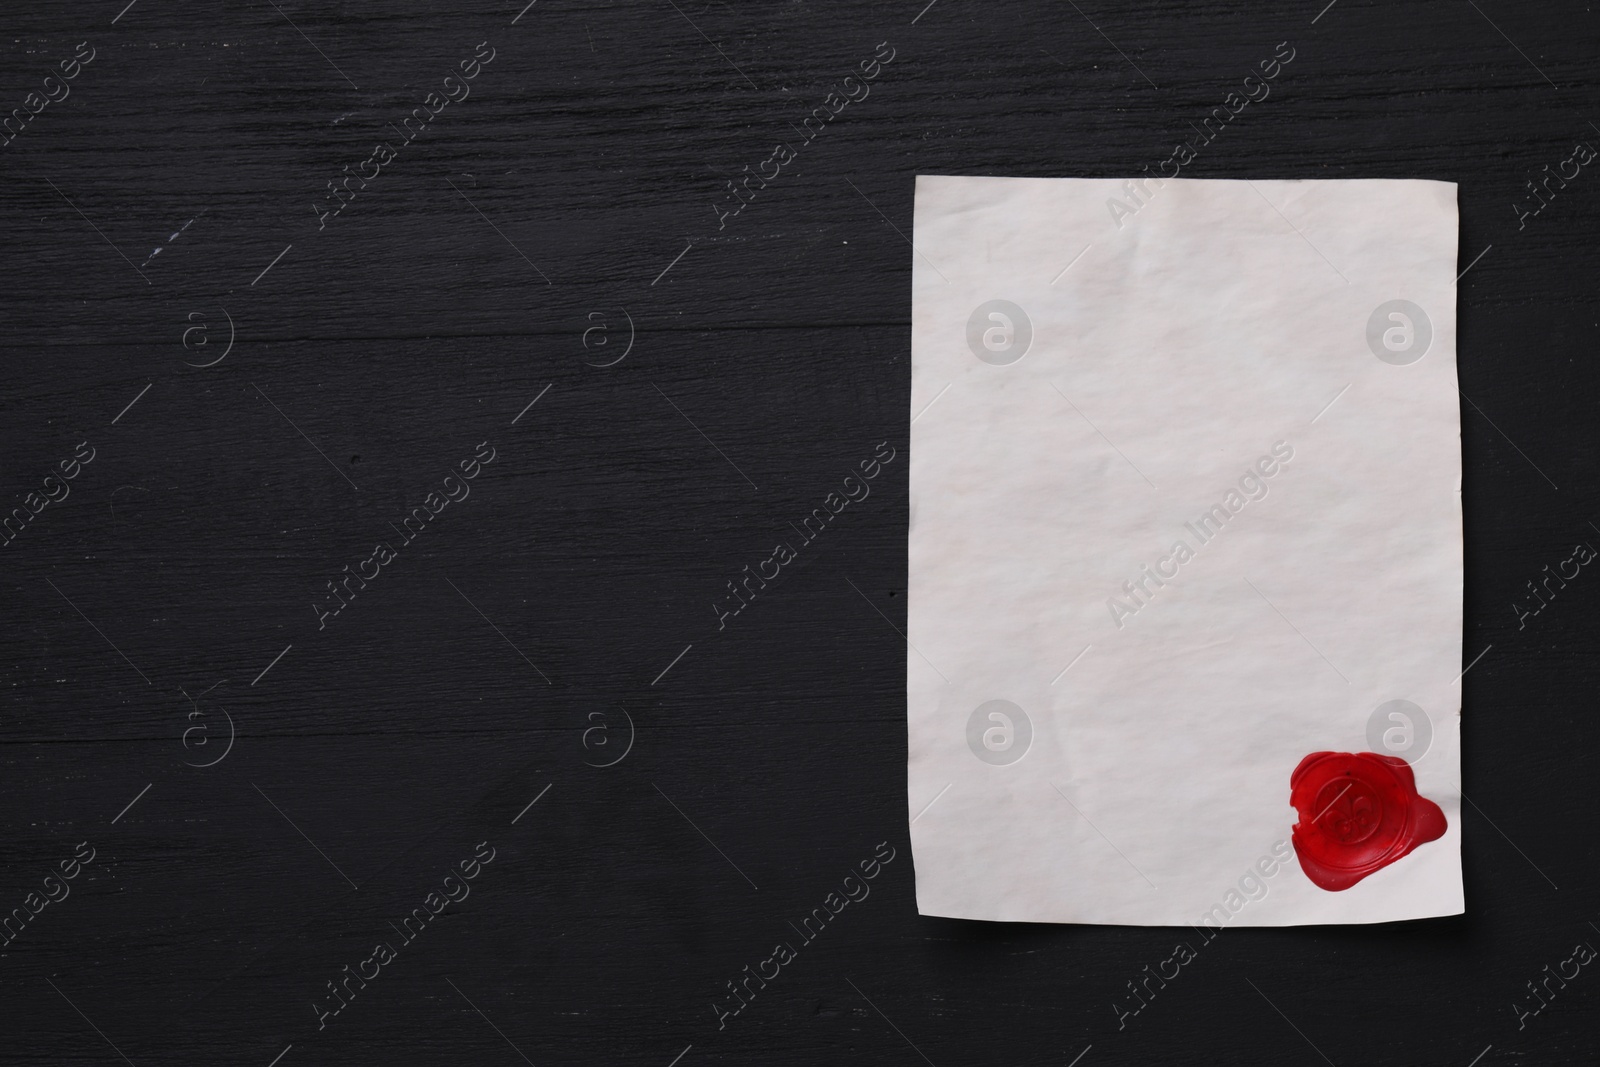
(384, 346)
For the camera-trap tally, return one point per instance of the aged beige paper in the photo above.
(1185, 510)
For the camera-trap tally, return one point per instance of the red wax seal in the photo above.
(1359, 812)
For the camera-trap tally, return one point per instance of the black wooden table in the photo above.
(371, 513)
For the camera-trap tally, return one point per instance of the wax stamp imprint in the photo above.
(1359, 812)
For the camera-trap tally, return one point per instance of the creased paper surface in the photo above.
(1103, 371)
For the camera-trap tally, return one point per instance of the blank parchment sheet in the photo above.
(1185, 524)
